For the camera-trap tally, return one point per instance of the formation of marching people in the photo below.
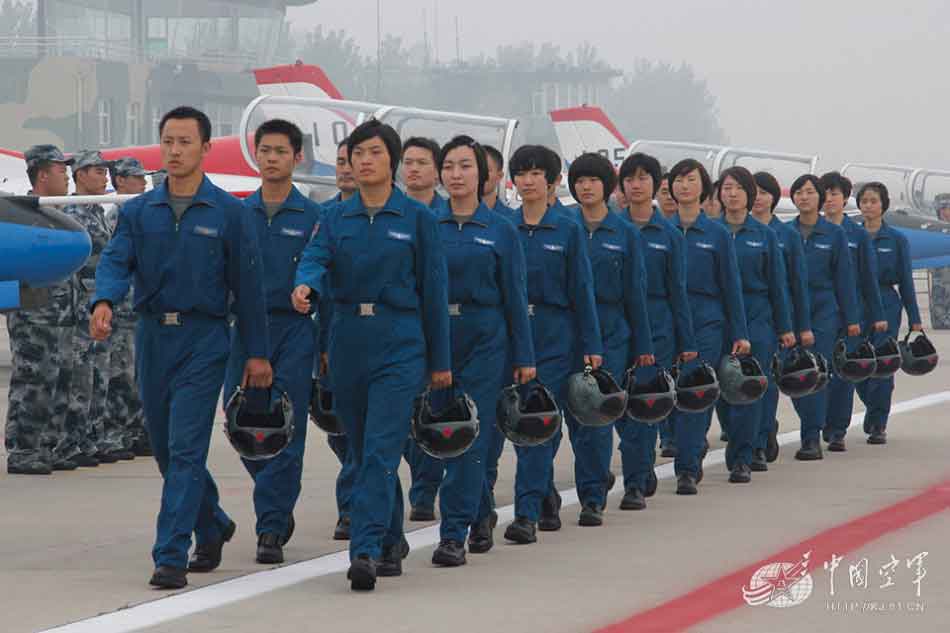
(434, 329)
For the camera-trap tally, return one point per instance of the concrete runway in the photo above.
(77, 545)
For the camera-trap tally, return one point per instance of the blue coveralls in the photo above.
(183, 272)
(671, 325)
(864, 266)
(564, 321)
(425, 471)
(796, 286)
(293, 347)
(833, 306)
(337, 443)
(897, 292)
(620, 281)
(762, 267)
(715, 300)
(488, 307)
(390, 329)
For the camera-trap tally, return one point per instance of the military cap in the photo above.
(89, 158)
(45, 154)
(128, 167)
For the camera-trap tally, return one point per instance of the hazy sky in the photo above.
(860, 80)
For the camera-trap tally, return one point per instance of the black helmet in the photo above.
(259, 426)
(323, 411)
(651, 401)
(918, 357)
(448, 431)
(527, 414)
(594, 398)
(856, 365)
(741, 379)
(824, 372)
(797, 373)
(696, 389)
(888, 358)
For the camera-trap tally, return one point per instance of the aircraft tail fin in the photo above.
(588, 129)
(296, 80)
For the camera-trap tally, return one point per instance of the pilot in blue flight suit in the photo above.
(285, 221)
(832, 295)
(488, 306)
(383, 258)
(715, 298)
(671, 323)
(895, 276)
(762, 267)
(793, 250)
(864, 265)
(188, 245)
(563, 320)
(616, 252)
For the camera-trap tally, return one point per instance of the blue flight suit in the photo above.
(715, 300)
(282, 239)
(183, 272)
(616, 252)
(425, 471)
(833, 307)
(337, 443)
(671, 325)
(896, 280)
(864, 266)
(488, 307)
(762, 267)
(796, 286)
(564, 321)
(387, 277)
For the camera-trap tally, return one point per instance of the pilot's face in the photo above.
(276, 158)
(460, 173)
(182, 148)
(834, 201)
(944, 214)
(418, 169)
(688, 187)
(590, 190)
(872, 207)
(495, 175)
(370, 162)
(345, 181)
(532, 185)
(806, 199)
(762, 209)
(638, 187)
(734, 197)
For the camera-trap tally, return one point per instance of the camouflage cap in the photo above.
(89, 158)
(942, 200)
(45, 154)
(128, 167)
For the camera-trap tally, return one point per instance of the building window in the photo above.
(133, 124)
(104, 116)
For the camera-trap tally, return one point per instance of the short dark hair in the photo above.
(745, 179)
(280, 126)
(528, 157)
(688, 166)
(424, 143)
(492, 152)
(187, 112)
(814, 180)
(881, 190)
(834, 180)
(373, 128)
(767, 181)
(647, 163)
(592, 165)
(342, 143)
(481, 162)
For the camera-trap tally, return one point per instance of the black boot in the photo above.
(772, 446)
(878, 435)
(29, 467)
(449, 554)
(685, 484)
(269, 551)
(590, 516)
(550, 520)
(422, 513)
(481, 539)
(667, 449)
(633, 500)
(207, 557)
(836, 445)
(85, 461)
(390, 565)
(165, 577)
(759, 462)
(652, 483)
(810, 451)
(741, 474)
(342, 530)
(362, 573)
(521, 531)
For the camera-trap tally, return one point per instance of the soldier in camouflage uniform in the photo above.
(88, 390)
(940, 277)
(123, 405)
(36, 439)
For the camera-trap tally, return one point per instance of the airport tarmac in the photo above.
(75, 548)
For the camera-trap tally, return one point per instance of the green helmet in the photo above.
(594, 398)
(741, 379)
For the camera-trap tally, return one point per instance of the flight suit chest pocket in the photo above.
(702, 268)
(205, 254)
(153, 250)
(751, 255)
(819, 260)
(887, 261)
(283, 254)
(607, 265)
(554, 272)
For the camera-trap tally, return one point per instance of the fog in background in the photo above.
(851, 80)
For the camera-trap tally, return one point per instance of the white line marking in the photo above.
(256, 583)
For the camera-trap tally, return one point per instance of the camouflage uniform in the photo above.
(940, 299)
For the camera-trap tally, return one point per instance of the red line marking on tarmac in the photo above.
(725, 593)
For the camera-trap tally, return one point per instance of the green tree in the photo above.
(339, 56)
